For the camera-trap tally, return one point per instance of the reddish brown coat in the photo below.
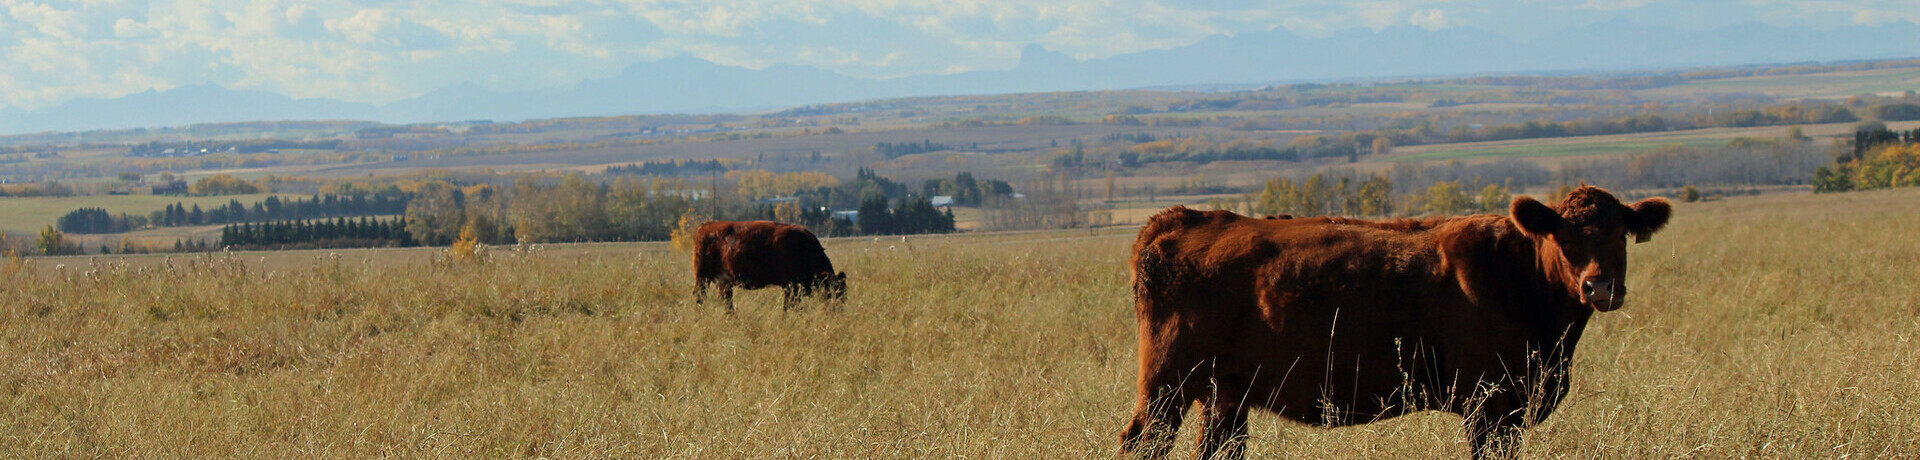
(1336, 321)
(758, 254)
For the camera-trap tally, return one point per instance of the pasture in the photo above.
(1779, 326)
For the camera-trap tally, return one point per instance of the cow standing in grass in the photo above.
(1335, 321)
(758, 254)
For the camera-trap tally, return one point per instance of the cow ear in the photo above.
(1533, 218)
(1648, 216)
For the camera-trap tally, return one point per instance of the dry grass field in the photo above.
(1781, 326)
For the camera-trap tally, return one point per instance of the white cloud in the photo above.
(47, 20)
(1606, 5)
(46, 56)
(1380, 15)
(1430, 19)
(1874, 17)
(128, 28)
(297, 12)
(363, 25)
(715, 19)
(259, 18)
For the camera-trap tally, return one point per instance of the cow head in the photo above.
(835, 285)
(1583, 240)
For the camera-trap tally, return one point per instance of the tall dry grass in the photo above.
(1776, 327)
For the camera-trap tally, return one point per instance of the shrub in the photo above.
(467, 249)
(685, 229)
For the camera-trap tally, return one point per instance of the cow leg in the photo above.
(700, 291)
(1223, 432)
(1164, 397)
(1155, 420)
(1496, 431)
(726, 294)
(792, 297)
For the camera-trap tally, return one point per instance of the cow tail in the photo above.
(1148, 273)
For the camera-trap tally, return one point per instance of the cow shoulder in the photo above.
(796, 239)
(1475, 252)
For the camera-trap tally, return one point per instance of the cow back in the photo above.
(759, 253)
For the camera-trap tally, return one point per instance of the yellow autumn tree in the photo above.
(1495, 199)
(467, 249)
(14, 261)
(684, 231)
(787, 211)
(223, 184)
(1382, 146)
(761, 184)
(1448, 198)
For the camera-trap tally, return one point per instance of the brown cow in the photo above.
(1337, 321)
(757, 254)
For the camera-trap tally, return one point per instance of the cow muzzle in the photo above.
(1603, 294)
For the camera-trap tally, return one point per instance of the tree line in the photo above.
(339, 232)
(49, 188)
(892, 150)
(1319, 195)
(906, 216)
(574, 208)
(884, 206)
(1373, 195)
(1878, 158)
(670, 168)
(95, 220)
(965, 190)
(223, 184)
(98, 220)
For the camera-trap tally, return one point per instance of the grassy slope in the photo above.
(1781, 326)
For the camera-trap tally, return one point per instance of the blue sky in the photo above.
(380, 51)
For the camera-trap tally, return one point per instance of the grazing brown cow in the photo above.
(1335, 321)
(757, 254)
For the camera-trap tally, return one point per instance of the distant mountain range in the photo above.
(687, 84)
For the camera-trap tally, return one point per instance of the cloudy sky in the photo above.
(380, 51)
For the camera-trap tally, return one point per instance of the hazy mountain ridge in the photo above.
(686, 84)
